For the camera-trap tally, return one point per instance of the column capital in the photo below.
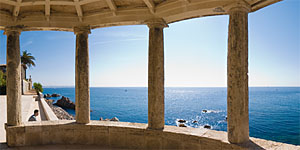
(13, 29)
(156, 23)
(238, 5)
(82, 29)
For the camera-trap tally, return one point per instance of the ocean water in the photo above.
(274, 112)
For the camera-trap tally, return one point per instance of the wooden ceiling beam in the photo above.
(62, 3)
(150, 4)
(187, 1)
(17, 8)
(9, 2)
(113, 7)
(47, 9)
(83, 2)
(44, 3)
(78, 9)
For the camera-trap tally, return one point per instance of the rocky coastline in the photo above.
(59, 112)
(65, 103)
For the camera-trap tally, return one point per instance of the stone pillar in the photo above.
(13, 78)
(82, 90)
(156, 104)
(237, 74)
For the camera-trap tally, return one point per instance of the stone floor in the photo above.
(30, 92)
(2, 118)
(57, 147)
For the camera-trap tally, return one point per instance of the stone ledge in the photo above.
(48, 111)
(127, 135)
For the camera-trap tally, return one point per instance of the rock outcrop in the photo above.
(114, 119)
(65, 102)
(55, 95)
(181, 121)
(47, 96)
(59, 112)
(207, 126)
(182, 125)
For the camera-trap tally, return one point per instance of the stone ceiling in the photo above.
(66, 14)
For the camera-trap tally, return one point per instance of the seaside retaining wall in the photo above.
(109, 134)
(25, 86)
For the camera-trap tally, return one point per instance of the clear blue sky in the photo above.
(195, 52)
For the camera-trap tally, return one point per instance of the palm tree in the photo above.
(27, 60)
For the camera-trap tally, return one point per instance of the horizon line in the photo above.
(73, 86)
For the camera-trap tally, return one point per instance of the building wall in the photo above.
(25, 86)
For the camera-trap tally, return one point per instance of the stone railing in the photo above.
(107, 134)
(47, 110)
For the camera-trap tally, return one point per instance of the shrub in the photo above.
(38, 87)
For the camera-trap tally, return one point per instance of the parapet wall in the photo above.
(50, 115)
(109, 134)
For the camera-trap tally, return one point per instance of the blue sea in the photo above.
(274, 112)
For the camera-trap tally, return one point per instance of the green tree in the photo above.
(27, 60)
(38, 87)
(2, 83)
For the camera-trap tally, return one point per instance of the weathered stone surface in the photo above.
(33, 135)
(117, 137)
(82, 90)
(153, 139)
(13, 87)
(156, 104)
(65, 102)
(237, 75)
(125, 135)
(172, 140)
(135, 138)
(100, 135)
(208, 144)
(15, 136)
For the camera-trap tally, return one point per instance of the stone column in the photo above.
(156, 104)
(13, 78)
(237, 74)
(82, 90)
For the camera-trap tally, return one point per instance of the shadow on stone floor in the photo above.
(252, 145)
(3, 146)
